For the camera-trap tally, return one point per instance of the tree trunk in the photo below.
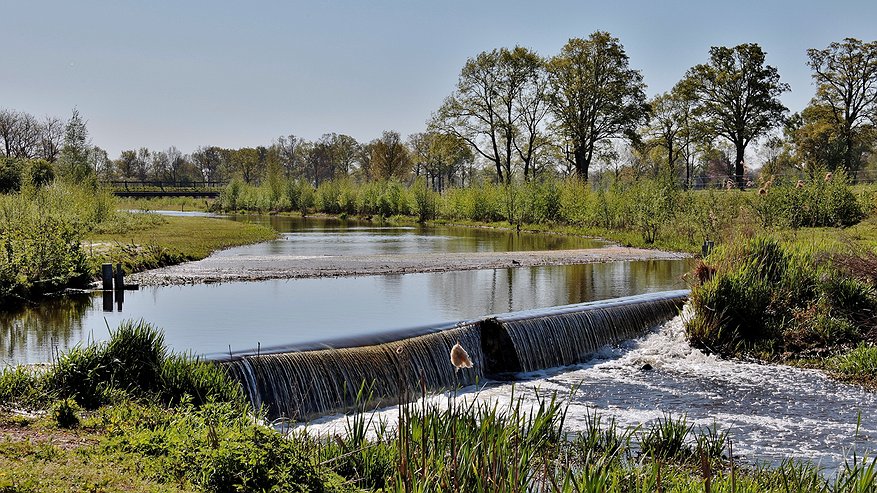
(581, 158)
(738, 166)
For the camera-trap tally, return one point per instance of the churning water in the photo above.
(773, 412)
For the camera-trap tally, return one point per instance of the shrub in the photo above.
(65, 413)
(10, 175)
(135, 362)
(763, 296)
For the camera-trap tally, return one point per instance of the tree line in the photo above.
(514, 114)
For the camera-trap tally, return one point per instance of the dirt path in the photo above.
(258, 268)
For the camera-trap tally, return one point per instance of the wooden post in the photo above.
(120, 277)
(106, 272)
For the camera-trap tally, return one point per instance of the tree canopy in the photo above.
(737, 96)
(594, 95)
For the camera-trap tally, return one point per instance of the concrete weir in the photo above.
(300, 383)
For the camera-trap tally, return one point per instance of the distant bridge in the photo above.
(198, 189)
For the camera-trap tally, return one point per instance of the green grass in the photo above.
(166, 240)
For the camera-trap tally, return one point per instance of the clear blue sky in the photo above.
(186, 73)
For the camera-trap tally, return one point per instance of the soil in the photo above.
(259, 268)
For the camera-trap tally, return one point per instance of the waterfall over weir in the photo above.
(305, 384)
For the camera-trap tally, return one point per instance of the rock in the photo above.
(646, 367)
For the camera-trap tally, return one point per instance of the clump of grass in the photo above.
(665, 438)
(769, 298)
(65, 413)
(860, 364)
(134, 362)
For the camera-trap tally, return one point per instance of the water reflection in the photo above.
(34, 333)
(207, 319)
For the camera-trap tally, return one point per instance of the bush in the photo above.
(65, 413)
(10, 175)
(217, 448)
(766, 297)
(135, 362)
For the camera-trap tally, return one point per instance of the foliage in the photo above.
(497, 108)
(818, 202)
(65, 413)
(737, 96)
(769, 298)
(845, 74)
(135, 362)
(594, 95)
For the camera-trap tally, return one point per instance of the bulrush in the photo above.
(459, 357)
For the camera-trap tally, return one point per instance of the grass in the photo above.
(770, 299)
(133, 364)
(165, 240)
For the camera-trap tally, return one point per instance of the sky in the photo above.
(160, 73)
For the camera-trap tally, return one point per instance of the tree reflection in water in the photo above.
(34, 331)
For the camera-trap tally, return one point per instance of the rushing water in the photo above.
(208, 319)
(773, 412)
(302, 384)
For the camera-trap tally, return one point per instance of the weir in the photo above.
(300, 385)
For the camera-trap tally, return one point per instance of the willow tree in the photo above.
(496, 107)
(845, 74)
(594, 95)
(737, 97)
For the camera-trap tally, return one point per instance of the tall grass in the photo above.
(766, 298)
(468, 446)
(133, 363)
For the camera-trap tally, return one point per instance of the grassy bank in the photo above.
(166, 240)
(127, 415)
(790, 300)
(56, 237)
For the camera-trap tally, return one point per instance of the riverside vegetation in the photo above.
(56, 236)
(129, 415)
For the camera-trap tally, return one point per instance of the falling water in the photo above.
(303, 384)
(567, 335)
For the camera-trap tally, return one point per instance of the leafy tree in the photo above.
(737, 97)
(497, 107)
(75, 151)
(845, 74)
(595, 95)
(208, 161)
(389, 156)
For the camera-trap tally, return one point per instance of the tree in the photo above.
(737, 97)
(845, 74)
(345, 151)
(74, 153)
(595, 95)
(497, 107)
(51, 138)
(100, 163)
(438, 156)
(389, 156)
(208, 161)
